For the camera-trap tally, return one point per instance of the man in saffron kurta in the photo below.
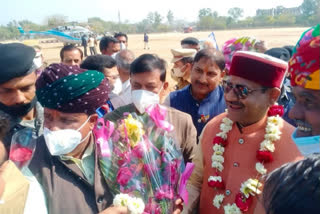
(251, 89)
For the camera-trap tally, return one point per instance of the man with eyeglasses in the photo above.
(240, 146)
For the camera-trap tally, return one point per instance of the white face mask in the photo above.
(114, 55)
(117, 87)
(122, 46)
(142, 99)
(177, 72)
(63, 141)
(37, 61)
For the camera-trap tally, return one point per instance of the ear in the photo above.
(223, 73)
(274, 94)
(189, 66)
(93, 120)
(165, 86)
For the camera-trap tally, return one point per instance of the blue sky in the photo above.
(133, 11)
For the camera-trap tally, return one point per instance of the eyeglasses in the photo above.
(241, 91)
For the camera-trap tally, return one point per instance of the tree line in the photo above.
(307, 14)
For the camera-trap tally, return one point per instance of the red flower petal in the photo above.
(216, 184)
(264, 156)
(20, 154)
(276, 110)
(220, 141)
(242, 202)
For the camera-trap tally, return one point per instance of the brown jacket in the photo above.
(65, 186)
(184, 130)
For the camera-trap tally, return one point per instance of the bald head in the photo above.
(124, 59)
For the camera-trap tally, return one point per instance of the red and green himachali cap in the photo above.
(304, 66)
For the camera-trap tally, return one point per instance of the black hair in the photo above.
(105, 41)
(98, 62)
(190, 41)
(186, 60)
(294, 188)
(70, 48)
(148, 63)
(213, 55)
(116, 35)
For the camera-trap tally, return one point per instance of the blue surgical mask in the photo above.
(307, 145)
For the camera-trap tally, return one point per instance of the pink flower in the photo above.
(164, 192)
(20, 155)
(124, 176)
(153, 208)
(171, 171)
(138, 151)
(150, 169)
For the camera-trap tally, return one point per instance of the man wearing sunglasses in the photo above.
(246, 142)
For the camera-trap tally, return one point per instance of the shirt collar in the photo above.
(87, 153)
(125, 85)
(261, 124)
(210, 97)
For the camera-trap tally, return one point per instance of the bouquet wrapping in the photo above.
(141, 162)
(23, 144)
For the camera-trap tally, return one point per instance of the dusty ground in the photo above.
(161, 44)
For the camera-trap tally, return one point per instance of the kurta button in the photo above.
(228, 192)
(197, 104)
(79, 178)
(236, 164)
(241, 141)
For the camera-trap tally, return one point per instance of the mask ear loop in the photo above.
(89, 133)
(83, 124)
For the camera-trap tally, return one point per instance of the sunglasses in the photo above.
(241, 91)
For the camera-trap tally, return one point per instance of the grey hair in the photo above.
(124, 59)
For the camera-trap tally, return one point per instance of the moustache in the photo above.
(200, 83)
(235, 103)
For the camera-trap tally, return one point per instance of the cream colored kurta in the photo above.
(239, 165)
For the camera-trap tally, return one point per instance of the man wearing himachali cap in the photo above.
(240, 146)
(304, 68)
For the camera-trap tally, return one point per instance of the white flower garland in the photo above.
(251, 186)
(134, 205)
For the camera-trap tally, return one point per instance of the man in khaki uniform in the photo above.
(182, 60)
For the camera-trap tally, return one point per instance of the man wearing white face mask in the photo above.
(124, 59)
(182, 60)
(65, 161)
(147, 77)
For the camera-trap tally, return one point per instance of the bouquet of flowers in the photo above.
(141, 163)
(23, 144)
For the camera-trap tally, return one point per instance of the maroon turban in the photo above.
(260, 68)
(71, 89)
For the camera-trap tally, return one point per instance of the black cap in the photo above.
(280, 53)
(16, 60)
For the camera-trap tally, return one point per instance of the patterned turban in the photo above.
(71, 89)
(304, 66)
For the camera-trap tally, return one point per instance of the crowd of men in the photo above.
(223, 111)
